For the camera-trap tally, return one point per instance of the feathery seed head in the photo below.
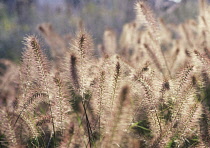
(117, 68)
(84, 43)
(166, 85)
(74, 72)
(124, 94)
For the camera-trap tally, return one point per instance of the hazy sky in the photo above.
(55, 2)
(177, 1)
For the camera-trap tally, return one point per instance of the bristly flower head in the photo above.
(145, 15)
(83, 42)
(33, 47)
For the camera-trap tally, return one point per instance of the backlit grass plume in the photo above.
(151, 91)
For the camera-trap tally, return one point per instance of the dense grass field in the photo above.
(148, 89)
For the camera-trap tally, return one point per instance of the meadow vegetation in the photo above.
(150, 89)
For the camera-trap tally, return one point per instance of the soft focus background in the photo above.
(19, 18)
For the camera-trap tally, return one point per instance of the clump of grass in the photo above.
(137, 96)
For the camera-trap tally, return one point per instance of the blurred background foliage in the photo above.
(19, 18)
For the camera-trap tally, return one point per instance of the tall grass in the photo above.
(151, 89)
